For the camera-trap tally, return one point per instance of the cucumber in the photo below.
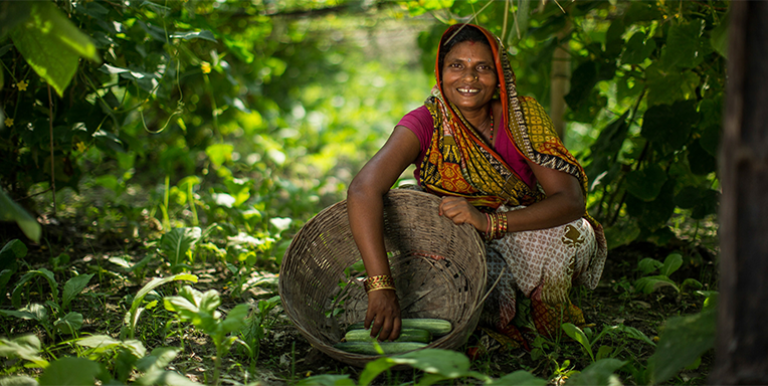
(438, 327)
(406, 335)
(368, 348)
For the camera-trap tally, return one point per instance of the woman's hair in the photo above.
(465, 34)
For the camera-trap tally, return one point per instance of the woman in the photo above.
(496, 162)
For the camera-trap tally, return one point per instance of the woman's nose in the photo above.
(470, 75)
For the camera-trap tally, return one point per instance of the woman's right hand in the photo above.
(383, 316)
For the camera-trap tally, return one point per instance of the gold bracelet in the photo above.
(380, 282)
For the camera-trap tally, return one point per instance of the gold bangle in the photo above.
(380, 282)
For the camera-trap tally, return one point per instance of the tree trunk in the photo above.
(560, 80)
(741, 348)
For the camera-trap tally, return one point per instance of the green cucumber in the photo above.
(368, 348)
(438, 327)
(406, 335)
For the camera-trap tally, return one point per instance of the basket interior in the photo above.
(438, 267)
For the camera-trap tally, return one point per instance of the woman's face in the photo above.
(469, 76)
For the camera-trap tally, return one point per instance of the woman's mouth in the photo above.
(469, 91)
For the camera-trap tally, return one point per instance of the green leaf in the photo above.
(73, 287)
(646, 184)
(70, 323)
(622, 233)
(26, 347)
(603, 352)
(12, 251)
(132, 317)
(178, 241)
(637, 49)
(653, 214)
(576, 334)
(718, 37)
(70, 371)
(672, 263)
(583, 81)
(691, 283)
(219, 153)
(518, 378)
(207, 35)
(169, 378)
(670, 124)
(606, 148)
(649, 284)
(13, 13)
(48, 275)
(19, 314)
(685, 46)
(683, 339)
(707, 204)
(667, 86)
(18, 380)
(599, 373)
(51, 44)
(158, 359)
(10, 211)
(99, 342)
(701, 162)
(235, 318)
(635, 334)
(648, 265)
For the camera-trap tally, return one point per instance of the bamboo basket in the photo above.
(439, 270)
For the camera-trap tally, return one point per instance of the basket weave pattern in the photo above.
(439, 270)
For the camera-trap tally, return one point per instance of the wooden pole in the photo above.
(741, 347)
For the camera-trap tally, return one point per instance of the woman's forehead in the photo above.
(470, 50)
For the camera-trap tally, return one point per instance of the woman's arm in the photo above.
(365, 206)
(564, 203)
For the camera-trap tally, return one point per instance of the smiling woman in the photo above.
(498, 165)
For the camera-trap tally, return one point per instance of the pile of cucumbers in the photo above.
(414, 334)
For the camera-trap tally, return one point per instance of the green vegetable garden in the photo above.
(159, 157)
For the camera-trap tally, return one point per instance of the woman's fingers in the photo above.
(383, 315)
(460, 211)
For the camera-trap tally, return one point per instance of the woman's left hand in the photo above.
(460, 211)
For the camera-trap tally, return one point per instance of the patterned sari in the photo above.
(542, 264)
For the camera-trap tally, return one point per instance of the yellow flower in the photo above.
(81, 147)
(22, 85)
(8, 122)
(206, 67)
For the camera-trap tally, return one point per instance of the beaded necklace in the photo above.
(491, 109)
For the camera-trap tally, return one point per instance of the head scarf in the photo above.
(459, 162)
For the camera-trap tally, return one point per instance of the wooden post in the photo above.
(741, 347)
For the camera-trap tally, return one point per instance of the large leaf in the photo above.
(648, 265)
(600, 373)
(73, 287)
(622, 233)
(158, 359)
(52, 45)
(170, 378)
(235, 318)
(670, 124)
(583, 81)
(207, 35)
(701, 161)
(646, 184)
(683, 340)
(178, 241)
(685, 46)
(13, 13)
(18, 380)
(653, 214)
(443, 364)
(10, 211)
(70, 371)
(637, 49)
(672, 263)
(69, 323)
(576, 334)
(649, 284)
(718, 37)
(25, 347)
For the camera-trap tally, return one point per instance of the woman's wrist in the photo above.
(378, 283)
(497, 226)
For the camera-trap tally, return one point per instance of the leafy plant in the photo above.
(648, 284)
(132, 316)
(588, 341)
(255, 327)
(10, 211)
(176, 245)
(200, 309)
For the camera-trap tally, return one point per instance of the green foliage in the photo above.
(683, 340)
(177, 245)
(132, 316)
(70, 371)
(10, 211)
(51, 44)
(26, 347)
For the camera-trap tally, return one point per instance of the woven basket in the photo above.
(439, 270)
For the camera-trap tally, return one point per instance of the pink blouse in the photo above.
(420, 122)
